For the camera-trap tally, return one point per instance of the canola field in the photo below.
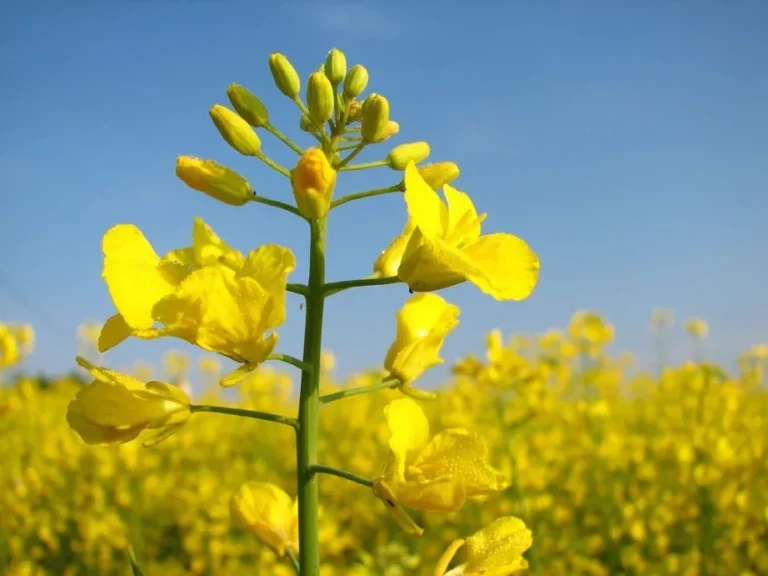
(613, 472)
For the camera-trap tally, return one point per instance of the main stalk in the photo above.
(309, 406)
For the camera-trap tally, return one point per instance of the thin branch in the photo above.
(255, 414)
(276, 204)
(293, 361)
(274, 165)
(363, 166)
(318, 469)
(336, 287)
(367, 194)
(294, 561)
(287, 141)
(296, 288)
(348, 159)
(387, 383)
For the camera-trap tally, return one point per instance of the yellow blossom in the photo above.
(697, 328)
(590, 330)
(441, 246)
(269, 513)
(214, 307)
(496, 550)
(9, 347)
(213, 179)
(438, 474)
(422, 325)
(115, 408)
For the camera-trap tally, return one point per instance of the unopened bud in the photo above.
(355, 113)
(400, 156)
(375, 118)
(313, 180)
(356, 81)
(306, 123)
(319, 97)
(439, 174)
(248, 105)
(335, 66)
(285, 75)
(390, 130)
(214, 179)
(236, 131)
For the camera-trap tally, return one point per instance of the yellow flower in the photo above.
(215, 307)
(697, 328)
(312, 181)
(434, 475)
(269, 513)
(9, 347)
(422, 325)
(441, 246)
(590, 329)
(496, 550)
(207, 249)
(115, 408)
(25, 336)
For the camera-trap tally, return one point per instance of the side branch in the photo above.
(367, 194)
(293, 361)
(387, 383)
(255, 414)
(319, 469)
(276, 204)
(335, 287)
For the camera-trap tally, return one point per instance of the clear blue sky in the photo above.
(627, 142)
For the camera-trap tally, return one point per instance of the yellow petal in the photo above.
(498, 548)
(131, 272)
(409, 431)
(209, 249)
(425, 207)
(461, 456)
(438, 495)
(114, 331)
(422, 325)
(270, 266)
(388, 262)
(464, 224)
(426, 267)
(267, 511)
(501, 265)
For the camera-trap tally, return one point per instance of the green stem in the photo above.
(134, 563)
(319, 469)
(352, 129)
(367, 194)
(309, 406)
(387, 383)
(300, 289)
(290, 360)
(351, 138)
(348, 159)
(257, 415)
(276, 204)
(344, 147)
(335, 287)
(274, 165)
(287, 141)
(294, 561)
(365, 165)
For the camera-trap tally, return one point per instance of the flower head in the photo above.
(116, 408)
(213, 179)
(496, 550)
(205, 295)
(16, 341)
(441, 246)
(422, 325)
(269, 513)
(697, 328)
(438, 474)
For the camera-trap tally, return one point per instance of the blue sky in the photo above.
(626, 142)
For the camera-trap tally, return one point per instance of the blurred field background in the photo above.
(615, 470)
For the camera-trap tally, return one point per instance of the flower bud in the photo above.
(236, 131)
(439, 174)
(335, 66)
(284, 74)
(305, 123)
(400, 156)
(214, 179)
(319, 97)
(375, 118)
(312, 181)
(390, 130)
(248, 105)
(356, 81)
(355, 113)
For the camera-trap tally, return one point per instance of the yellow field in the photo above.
(613, 474)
